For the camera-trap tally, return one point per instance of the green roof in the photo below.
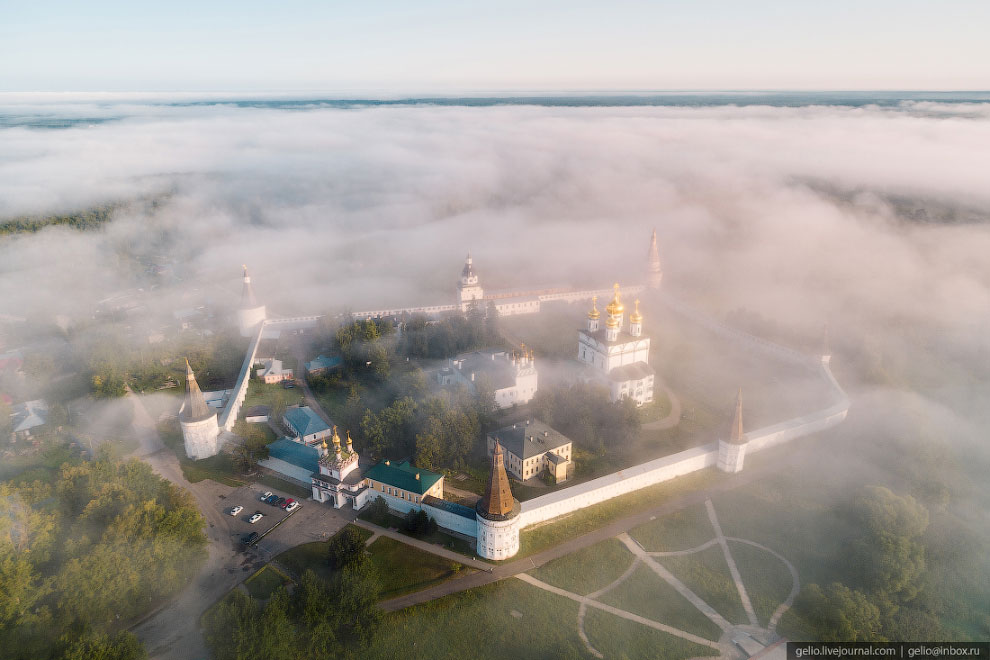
(403, 476)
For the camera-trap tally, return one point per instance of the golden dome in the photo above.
(615, 307)
(593, 314)
(611, 322)
(636, 317)
(336, 438)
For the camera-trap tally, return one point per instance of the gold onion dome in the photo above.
(636, 317)
(336, 438)
(611, 322)
(615, 307)
(594, 314)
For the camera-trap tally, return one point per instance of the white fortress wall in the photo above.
(653, 472)
(229, 414)
(445, 519)
(618, 483)
(382, 313)
(576, 296)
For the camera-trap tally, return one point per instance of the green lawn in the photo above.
(767, 580)
(707, 575)
(260, 394)
(509, 619)
(658, 409)
(591, 518)
(404, 569)
(646, 594)
(264, 582)
(682, 530)
(587, 570)
(312, 556)
(619, 638)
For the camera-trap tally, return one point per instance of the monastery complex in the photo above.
(613, 350)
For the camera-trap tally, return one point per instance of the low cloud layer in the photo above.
(802, 214)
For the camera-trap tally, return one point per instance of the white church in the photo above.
(619, 353)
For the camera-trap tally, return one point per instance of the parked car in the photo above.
(256, 517)
(250, 538)
(288, 384)
(271, 499)
(264, 498)
(292, 507)
(287, 503)
(237, 509)
(279, 502)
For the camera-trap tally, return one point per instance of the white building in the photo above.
(338, 480)
(513, 378)
(620, 354)
(468, 290)
(497, 514)
(200, 430)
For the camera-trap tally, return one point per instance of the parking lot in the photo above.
(312, 521)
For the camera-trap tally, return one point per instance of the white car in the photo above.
(293, 506)
(237, 509)
(266, 496)
(255, 518)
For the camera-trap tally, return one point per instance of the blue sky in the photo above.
(437, 46)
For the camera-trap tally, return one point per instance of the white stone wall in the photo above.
(445, 519)
(625, 481)
(201, 439)
(498, 539)
(730, 456)
(229, 414)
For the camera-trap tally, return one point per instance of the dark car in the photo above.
(248, 539)
(280, 502)
(288, 384)
(271, 499)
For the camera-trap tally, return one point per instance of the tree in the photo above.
(378, 511)
(890, 557)
(840, 614)
(346, 549)
(122, 646)
(355, 591)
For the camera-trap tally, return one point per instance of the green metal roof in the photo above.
(403, 476)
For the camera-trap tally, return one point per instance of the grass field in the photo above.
(313, 556)
(587, 570)
(646, 594)
(438, 537)
(682, 530)
(707, 575)
(260, 394)
(619, 638)
(264, 582)
(404, 569)
(767, 580)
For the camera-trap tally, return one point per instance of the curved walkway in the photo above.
(673, 418)
(735, 639)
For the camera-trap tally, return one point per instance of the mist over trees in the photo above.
(88, 553)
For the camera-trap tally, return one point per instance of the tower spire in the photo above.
(248, 300)
(497, 500)
(736, 435)
(195, 408)
(654, 272)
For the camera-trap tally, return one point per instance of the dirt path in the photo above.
(173, 630)
(673, 418)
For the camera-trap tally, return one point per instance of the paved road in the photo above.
(673, 418)
(502, 571)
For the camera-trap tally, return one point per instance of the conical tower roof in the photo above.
(498, 501)
(736, 435)
(248, 301)
(195, 409)
(654, 255)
